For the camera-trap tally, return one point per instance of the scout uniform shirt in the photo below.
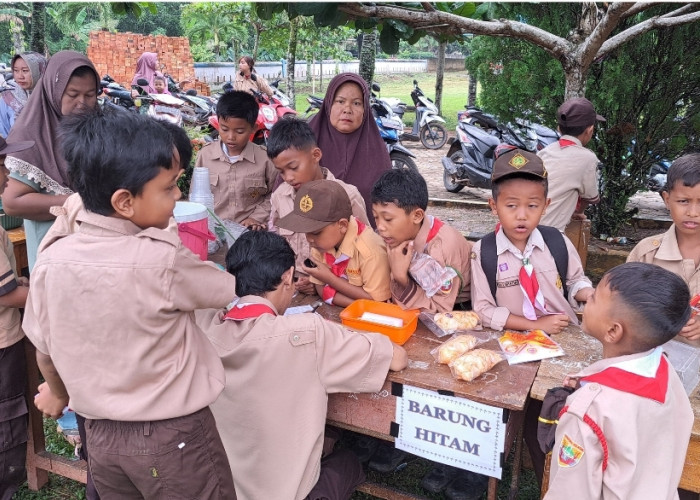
(572, 173)
(279, 372)
(450, 249)
(510, 296)
(241, 189)
(246, 84)
(662, 250)
(361, 259)
(10, 327)
(112, 305)
(283, 203)
(643, 420)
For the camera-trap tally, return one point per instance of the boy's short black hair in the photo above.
(238, 104)
(498, 184)
(404, 187)
(111, 150)
(685, 169)
(573, 131)
(659, 298)
(258, 259)
(290, 133)
(182, 142)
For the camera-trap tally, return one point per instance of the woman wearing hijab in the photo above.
(245, 80)
(39, 175)
(346, 132)
(146, 68)
(27, 68)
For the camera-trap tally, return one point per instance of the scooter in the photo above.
(428, 126)
(279, 101)
(159, 106)
(390, 125)
(116, 94)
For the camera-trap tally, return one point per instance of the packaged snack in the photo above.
(474, 363)
(533, 345)
(457, 320)
(429, 274)
(454, 348)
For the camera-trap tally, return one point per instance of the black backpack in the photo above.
(552, 238)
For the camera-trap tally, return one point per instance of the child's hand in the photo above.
(48, 403)
(400, 260)
(321, 273)
(691, 330)
(305, 286)
(253, 225)
(584, 294)
(22, 281)
(572, 382)
(552, 323)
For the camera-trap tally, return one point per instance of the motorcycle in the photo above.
(428, 126)
(314, 105)
(117, 94)
(390, 125)
(159, 106)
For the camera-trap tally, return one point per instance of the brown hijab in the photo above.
(358, 158)
(44, 163)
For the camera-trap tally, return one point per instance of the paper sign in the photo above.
(451, 430)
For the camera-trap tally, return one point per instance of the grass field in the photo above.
(454, 92)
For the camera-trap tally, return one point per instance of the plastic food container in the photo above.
(686, 361)
(351, 317)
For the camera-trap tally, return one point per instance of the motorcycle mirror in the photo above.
(376, 87)
(191, 92)
(415, 82)
(227, 87)
(142, 82)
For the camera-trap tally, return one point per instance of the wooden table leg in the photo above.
(36, 477)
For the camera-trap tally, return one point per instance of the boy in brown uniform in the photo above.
(241, 175)
(348, 260)
(279, 372)
(124, 345)
(678, 249)
(293, 149)
(13, 369)
(624, 433)
(399, 202)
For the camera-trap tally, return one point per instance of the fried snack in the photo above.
(455, 347)
(456, 320)
(472, 364)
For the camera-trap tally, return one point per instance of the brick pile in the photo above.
(116, 54)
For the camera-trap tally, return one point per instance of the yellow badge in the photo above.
(558, 282)
(472, 255)
(306, 203)
(518, 161)
(570, 452)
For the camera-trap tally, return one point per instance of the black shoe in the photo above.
(364, 447)
(467, 486)
(387, 458)
(438, 478)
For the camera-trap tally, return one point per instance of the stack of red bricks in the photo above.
(116, 54)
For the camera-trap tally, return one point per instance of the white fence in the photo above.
(218, 73)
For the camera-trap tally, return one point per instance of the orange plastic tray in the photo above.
(350, 317)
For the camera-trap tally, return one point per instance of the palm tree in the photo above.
(13, 15)
(209, 23)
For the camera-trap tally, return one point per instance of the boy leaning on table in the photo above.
(279, 372)
(529, 290)
(678, 249)
(624, 432)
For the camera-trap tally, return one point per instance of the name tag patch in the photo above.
(507, 284)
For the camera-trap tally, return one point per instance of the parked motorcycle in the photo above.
(428, 126)
(159, 106)
(390, 125)
(117, 94)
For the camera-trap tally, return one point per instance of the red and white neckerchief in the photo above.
(239, 312)
(338, 267)
(565, 143)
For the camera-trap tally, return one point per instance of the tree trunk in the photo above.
(471, 100)
(575, 80)
(291, 61)
(309, 64)
(256, 45)
(440, 75)
(38, 20)
(367, 56)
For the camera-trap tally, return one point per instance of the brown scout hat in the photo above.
(6, 149)
(317, 204)
(517, 161)
(577, 112)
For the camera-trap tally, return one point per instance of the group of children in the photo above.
(132, 330)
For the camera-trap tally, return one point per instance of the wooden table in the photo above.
(582, 350)
(504, 386)
(18, 239)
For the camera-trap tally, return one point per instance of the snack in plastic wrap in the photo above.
(455, 347)
(429, 274)
(457, 320)
(474, 363)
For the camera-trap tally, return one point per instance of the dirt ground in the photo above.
(468, 210)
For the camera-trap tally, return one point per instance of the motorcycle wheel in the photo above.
(433, 135)
(449, 179)
(402, 160)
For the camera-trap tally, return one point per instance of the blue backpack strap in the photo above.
(489, 260)
(557, 246)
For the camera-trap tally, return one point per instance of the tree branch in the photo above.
(637, 8)
(588, 49)
(447, 23)
(645, 26)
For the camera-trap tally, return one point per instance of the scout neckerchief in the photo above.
(566, 143)
(338, 267)
(436, 224)
(239, 312)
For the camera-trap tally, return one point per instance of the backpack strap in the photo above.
(489, 260)
(557, 246)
